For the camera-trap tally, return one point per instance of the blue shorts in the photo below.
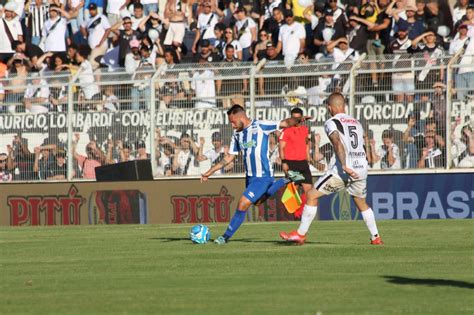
(257, 187)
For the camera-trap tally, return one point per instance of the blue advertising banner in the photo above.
(414, 196)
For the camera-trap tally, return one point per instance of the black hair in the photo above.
(235, 109)
(185, 135)
(277, 8)
(297, 110)
(84, 51)
(220, 26)
(173, 53)
(137, 6)
(15, 44)
(229, 47)
(59, 55)
(242, 9)
(387, 134)
(430, 120)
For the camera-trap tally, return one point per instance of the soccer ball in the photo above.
(200, 234)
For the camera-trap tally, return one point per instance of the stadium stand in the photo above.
(81, 82)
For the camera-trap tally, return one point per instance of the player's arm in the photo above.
(281, 149)
(290, 122)
(222, 164)
(308, 150)
(341, 154)
(281, 152)
(317, 156)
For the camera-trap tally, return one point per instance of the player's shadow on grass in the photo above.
(237, 240)
(430, 282)
(275, 242)
(170, 239)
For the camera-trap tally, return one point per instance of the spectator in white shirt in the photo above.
(36, 97)
(217, 153)
(246, 31)
(459, 10)
(229, 40)
(341, 51)
(10, 30)
(205, 26)
(141, 92)
(90, 92)
(459, 40)
(138, 17)
(97, 30)
(464, 79)
(133, 58)
(291, 40)
(54, 30)
(388, 153)
(204, 86)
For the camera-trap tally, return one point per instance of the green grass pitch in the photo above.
(425, 267)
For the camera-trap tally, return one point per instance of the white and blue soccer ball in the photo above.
(200, 234)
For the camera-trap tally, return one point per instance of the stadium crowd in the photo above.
(67, 36)
(57, 37)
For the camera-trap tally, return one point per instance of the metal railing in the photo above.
(59, 126)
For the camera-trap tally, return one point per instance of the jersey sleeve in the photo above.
(234, 146)
(268, 126)
(283, 136)
(106, 23)
(330, 127)
(301, 33)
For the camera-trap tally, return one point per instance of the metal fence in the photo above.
(57, 126)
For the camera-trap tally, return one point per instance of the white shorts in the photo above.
(175, 33)
(328, 184)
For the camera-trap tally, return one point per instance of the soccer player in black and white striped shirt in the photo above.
(348, 172)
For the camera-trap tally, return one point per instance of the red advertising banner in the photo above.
(155, 202)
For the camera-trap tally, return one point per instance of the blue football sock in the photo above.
(235, 223)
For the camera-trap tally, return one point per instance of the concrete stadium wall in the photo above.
(188, 201)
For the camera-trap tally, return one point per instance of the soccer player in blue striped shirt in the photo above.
(250, 137)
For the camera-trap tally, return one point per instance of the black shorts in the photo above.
(303, 168)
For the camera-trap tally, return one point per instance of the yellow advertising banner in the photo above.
(155, 202)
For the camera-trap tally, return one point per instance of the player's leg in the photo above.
(358, 191)
(275, 186)
(310, 210)
(326, 185)
(236, 221)
(256, 188)
(306, 184)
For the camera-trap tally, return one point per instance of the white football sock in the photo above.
(369, 220)
(309, 213)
